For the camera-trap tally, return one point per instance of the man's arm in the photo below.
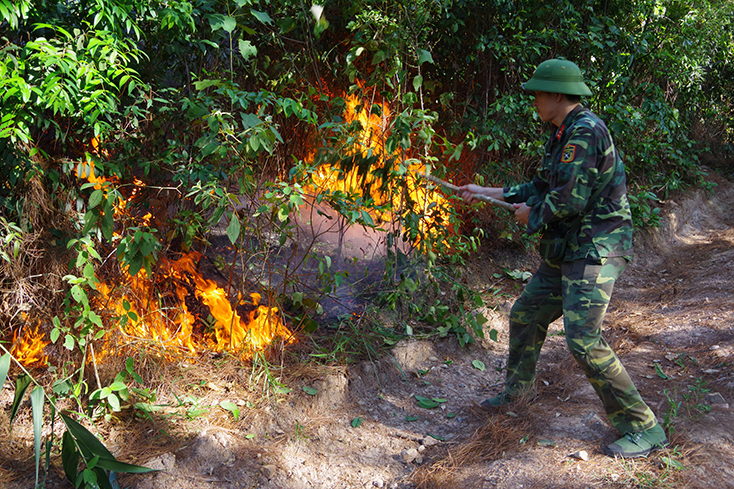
(466, 192)
(521, 210)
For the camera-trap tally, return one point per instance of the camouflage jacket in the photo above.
(580, 158)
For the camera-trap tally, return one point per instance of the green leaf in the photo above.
(671, 463)
(367, 218)
(77, 293)
(232, 408)
(96, 198)
(660, 372)
(219, 21)
(37, 409)
(310, 390)
(493, 335)
(91, 447)
(117, 386)
(107, 223)
(103, 479)
(21, 386)
(196, 110)
(4, 367)
(479, 365)
(95, 318)
(233, 230)
(69, 457)
(147, 407)
(427, 403)
(61, 387)
(136, 263)
(261, 16)
(69, 342)
(410, 418)
(356, 422)
(148, 244)
(90, 478)
(424, 57)
(114, 402)
(417, 82)
(247, 50)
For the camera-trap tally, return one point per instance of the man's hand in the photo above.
(467, 191)
(522, 213)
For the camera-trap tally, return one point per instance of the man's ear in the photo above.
(559, 97)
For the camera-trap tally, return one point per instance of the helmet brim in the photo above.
(555, 86)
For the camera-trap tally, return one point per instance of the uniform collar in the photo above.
(568, 120)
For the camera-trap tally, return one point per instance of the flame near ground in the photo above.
(155, 312)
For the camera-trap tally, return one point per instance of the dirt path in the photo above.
(670, 321)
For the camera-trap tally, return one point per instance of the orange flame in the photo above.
(28, 350)
(145, 319)
(371, 140)
(143, 311)
(233, 333)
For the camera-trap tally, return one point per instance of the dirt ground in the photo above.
(361, 426)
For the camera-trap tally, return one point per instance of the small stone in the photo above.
(594, 422)
(580, 455)
(717, 399)
(409, 455)
(378, 483)
(429, 441)
(268, 471)
(165, 462)
(421, 449)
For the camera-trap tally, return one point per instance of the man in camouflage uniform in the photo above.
(578, 200)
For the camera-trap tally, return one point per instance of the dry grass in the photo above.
(498, 437)
(31, 283)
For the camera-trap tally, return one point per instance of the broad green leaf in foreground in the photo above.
(429, 403)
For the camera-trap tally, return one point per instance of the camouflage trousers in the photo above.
(580, 291)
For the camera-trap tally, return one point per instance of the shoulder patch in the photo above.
(569, 152)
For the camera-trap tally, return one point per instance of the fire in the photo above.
(147, 320)
(28, 350)
(85, 170)
(232, 332)
(371, 142)
(153, 310)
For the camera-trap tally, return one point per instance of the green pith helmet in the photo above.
(557, 76)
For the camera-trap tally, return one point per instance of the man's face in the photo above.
(546, 104)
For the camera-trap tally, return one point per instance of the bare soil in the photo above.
(670, 322)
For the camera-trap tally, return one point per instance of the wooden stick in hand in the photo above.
(454, 188)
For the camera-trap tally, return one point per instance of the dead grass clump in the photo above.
(31, 287)
(499, 436)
